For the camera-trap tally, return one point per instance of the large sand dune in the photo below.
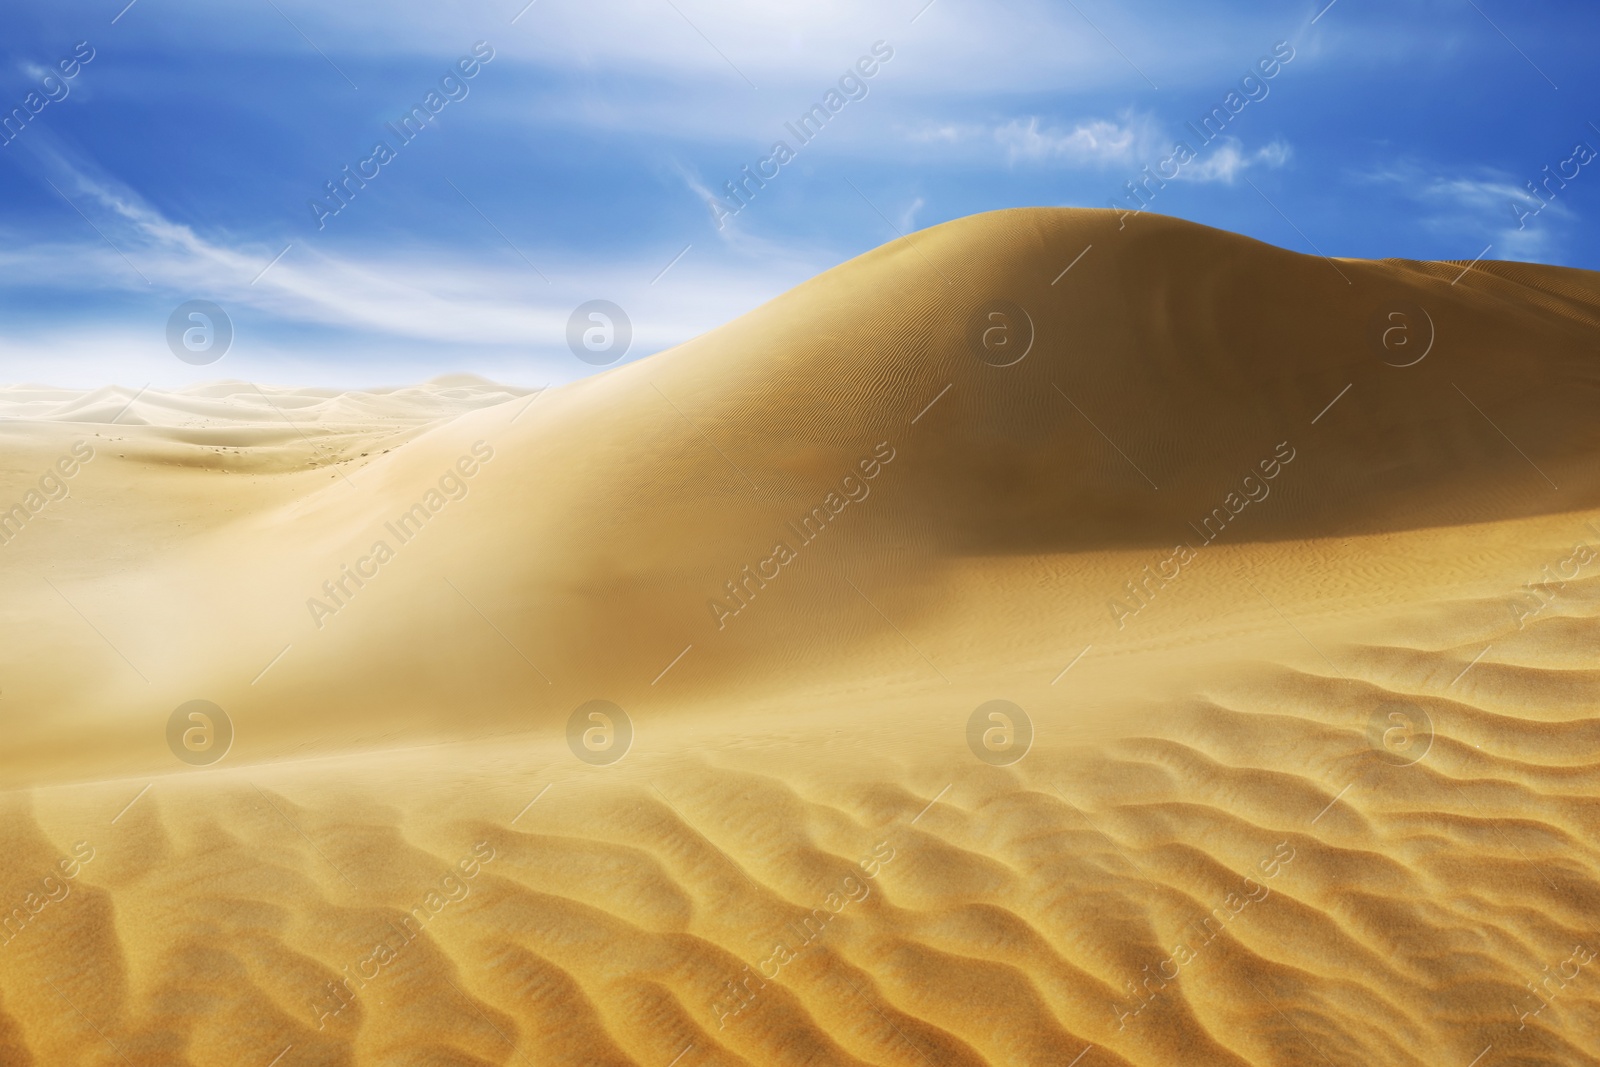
(1299, 600)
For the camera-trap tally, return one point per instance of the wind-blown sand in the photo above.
(1314, 783)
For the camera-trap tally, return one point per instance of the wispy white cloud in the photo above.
(1482, 200)
(948, 133)
(1088, 142)
(1096, 141)
(1125, 143)
(1492, 195)
(686, 68)
(1229, 160)
(418, 297)
(908, 217)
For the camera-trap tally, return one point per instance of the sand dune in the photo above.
(1301, 627)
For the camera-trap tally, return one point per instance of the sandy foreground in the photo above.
(1293, 606)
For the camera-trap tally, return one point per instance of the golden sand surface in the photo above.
(1287, 570)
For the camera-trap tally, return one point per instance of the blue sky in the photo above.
(585, 156)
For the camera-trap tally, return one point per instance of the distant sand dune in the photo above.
(1322, 788)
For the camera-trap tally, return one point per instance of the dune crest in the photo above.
(1050, 638)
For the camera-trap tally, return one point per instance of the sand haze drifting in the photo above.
(1302, 627)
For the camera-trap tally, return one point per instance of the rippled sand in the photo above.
(1314, 781)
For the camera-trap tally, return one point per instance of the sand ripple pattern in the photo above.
(1255, 883)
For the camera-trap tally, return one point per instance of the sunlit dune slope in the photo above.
(1171, 362)
(1289, 568)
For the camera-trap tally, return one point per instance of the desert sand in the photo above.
(1296, 604)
